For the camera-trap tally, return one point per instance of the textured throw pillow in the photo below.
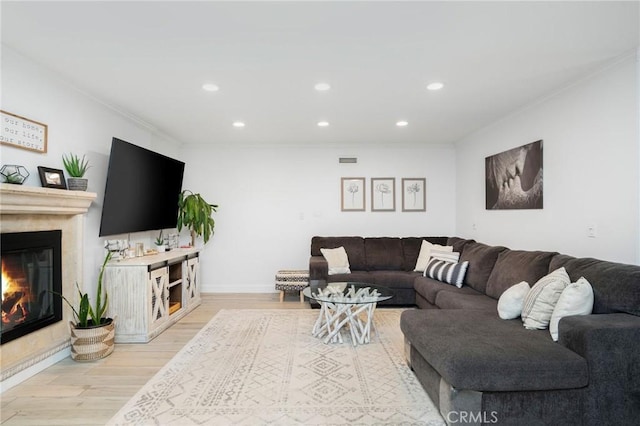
(447, 256)
(542, 298)
(447, 272)
(337, 260)
(425, 254)
(576, 299)
(511, 301)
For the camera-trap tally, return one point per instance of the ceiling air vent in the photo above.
(347, 160)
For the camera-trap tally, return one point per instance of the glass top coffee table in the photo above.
(345, 304)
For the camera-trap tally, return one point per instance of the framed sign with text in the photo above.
(22, 133)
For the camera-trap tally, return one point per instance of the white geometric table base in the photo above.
(334, 316)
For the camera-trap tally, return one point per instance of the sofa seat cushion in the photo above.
(429, 288)
(479, 351)
(394, 279)
(354, 276)
(452, 300)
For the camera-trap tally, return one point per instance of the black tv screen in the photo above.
(142, 190)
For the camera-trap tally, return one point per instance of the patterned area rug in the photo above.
(263, 367)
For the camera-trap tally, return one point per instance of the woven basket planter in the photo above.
(93, 343)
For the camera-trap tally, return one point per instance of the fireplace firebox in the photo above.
(31, 274)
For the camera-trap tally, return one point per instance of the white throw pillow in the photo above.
(576, 299)
(337, 260)
(511, 301)
(447, 256)
(425, 254)
(542, 298)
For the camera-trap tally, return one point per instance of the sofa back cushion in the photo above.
(616, 286)
(481, 258)
(411, 249)
(383, 254)
(514, 266)
(354, 246)
(457, 243)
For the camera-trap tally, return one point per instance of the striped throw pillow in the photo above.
(541, 300)
(448, 272)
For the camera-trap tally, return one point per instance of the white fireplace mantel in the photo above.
(18, 199)
(25, 209)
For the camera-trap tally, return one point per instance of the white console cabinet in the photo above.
(148, 294)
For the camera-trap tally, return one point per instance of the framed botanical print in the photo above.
(383, 194)
(414, 197)
(352, 193)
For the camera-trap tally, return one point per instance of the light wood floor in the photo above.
(71, 393)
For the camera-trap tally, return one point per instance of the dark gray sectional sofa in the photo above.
(480, 369)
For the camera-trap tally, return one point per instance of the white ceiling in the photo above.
(151, 58)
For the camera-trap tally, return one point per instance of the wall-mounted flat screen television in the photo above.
(142, 190)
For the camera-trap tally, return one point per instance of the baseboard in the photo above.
(31, 371)
(238, 289)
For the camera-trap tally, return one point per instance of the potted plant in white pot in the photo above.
(76, 168)
(160, 246)
(92, 333)
(195, 213)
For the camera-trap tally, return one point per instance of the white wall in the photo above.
(76, 123)
(274, 199)
(591, 159)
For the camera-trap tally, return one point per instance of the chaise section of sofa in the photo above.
(469, 360)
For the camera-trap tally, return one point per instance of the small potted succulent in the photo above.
(76, 168)
(160, 243)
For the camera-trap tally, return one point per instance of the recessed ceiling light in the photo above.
(323, 123)
(238, 124)
(321, 87)
(436, 85)
(210, 87)
(402, 123)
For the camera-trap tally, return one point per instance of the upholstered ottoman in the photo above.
(291, 279)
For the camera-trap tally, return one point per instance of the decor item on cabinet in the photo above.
(383, 194)
(76, 168)
(14, 174)
(352, 194)
(414, 194)
(160, 243)
(195, 213)
(51, 178)
(513, 178)
(92, 334)
(23, 133)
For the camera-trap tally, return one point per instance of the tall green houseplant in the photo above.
(195, 213)
(87, 316)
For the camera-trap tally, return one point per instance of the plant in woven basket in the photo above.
(76, 167)
(87, 316)
(92, 334)
(196, 214)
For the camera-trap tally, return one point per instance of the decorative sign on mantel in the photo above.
(23, 133)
